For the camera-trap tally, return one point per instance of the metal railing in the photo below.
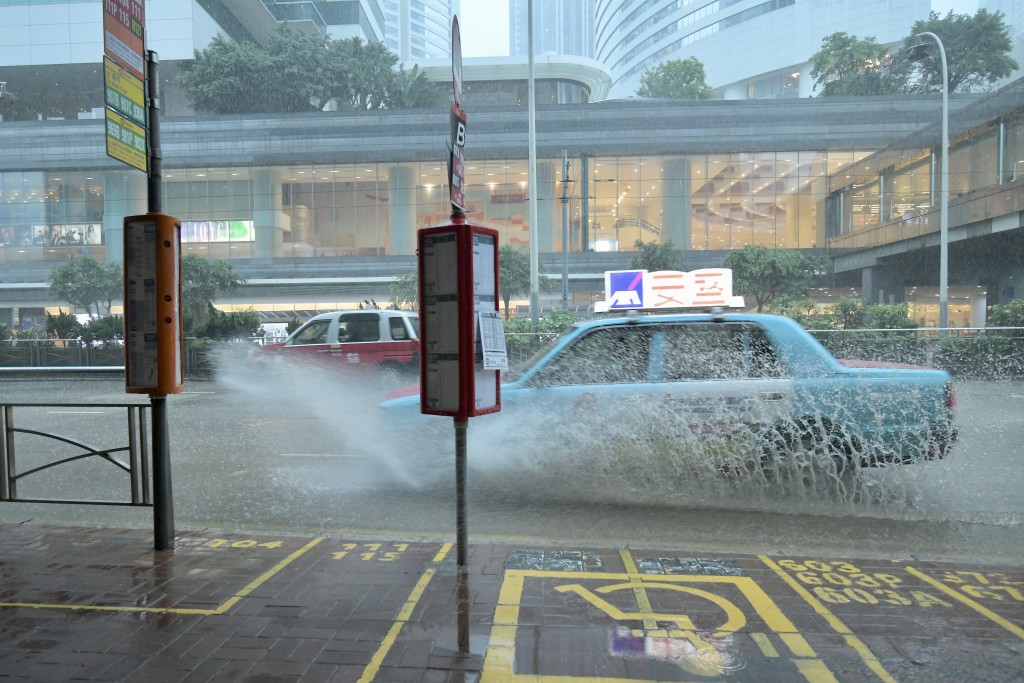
(131, 457)
(966, 352)
(55, 356)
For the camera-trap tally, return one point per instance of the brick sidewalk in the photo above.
(101, 605)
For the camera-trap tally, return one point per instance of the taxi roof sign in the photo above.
(665, 290)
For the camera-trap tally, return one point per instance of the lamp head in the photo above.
(920, 50)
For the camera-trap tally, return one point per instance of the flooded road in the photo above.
(309, 454)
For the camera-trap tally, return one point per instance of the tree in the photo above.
(977, 51)
(1010, 314)
(977, 54)
(412, 89)
(514, 275)
(405, 291)
(235, 78)
(847, 313)
(300, 72)
(888, 317)
(804, 310)
(676, 79)
(654, 256)
(63, 326)
(106, 329)
(201, 282)
(89, 284)
(767, 274)
(848, 65)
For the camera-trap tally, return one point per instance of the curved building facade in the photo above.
(751, 49)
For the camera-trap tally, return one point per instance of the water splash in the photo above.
(542, 456)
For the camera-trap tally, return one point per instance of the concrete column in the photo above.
(124, 194)
(880, 285)
(268, 218)
(401, 210)
(677, 204)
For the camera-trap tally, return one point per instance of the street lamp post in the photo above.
(916, 54)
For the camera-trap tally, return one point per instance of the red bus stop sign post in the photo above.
(461, 335)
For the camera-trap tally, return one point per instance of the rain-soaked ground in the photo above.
(294, 448)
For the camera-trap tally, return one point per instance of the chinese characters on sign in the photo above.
(124, 46)
(124, 24)
(667, 290)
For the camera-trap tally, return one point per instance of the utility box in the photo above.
(462, 335)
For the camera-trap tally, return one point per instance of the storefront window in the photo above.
(1014, 158)
(973, 164)
(911, 189)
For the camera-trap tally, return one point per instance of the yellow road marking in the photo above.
(499, 660)
(765, 645)
(643, 602)
(230, 602)
(835, 622)
(178, 610)
(403, 617)
(814, 670)
(977, 607)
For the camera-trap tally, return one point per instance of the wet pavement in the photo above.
(94, 604)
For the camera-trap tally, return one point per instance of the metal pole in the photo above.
(943, 193)
(163, 497)
(565, 230)
(532, 172)
(461, 531)
(944, 199)
(584, 203)
(154, 184)
(8, 481)
(163, 505)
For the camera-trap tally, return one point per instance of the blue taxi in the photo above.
(731, 390)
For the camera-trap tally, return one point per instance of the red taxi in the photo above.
(385, 341)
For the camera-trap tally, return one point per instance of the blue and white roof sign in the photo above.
(668, 290)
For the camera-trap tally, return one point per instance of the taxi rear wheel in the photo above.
(809, 441)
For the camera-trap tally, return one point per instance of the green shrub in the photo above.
(63, 326)
(106, 329)
(234, 325)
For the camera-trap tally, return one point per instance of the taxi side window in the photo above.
(360, 327)
(609, 356)
(763, 361)
(313, 333)
(398, 332)
(718, 351)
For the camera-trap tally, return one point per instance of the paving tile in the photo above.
(211, 611)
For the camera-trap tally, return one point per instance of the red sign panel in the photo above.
(124, 23)
(457, 159)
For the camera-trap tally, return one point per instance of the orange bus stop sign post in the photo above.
(152, 314)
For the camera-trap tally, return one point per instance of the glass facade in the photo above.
(894, 194)
(799, 199)
(699, 202)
